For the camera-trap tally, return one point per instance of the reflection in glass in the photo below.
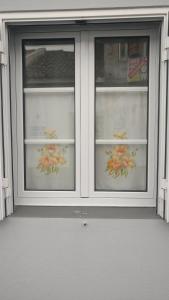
(49, 63)
(121, 61)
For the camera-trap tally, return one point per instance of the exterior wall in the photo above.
(50, 258)
(19, 5)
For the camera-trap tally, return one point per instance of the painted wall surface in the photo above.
(121, 257)
(19, 5)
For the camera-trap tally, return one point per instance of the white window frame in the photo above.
(87, 133)
(2, 194)
(18, 122)
(109, 15)
(6, 183)
(150, 195)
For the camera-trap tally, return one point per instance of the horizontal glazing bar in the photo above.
(121, 142)
(48, 141)
(49, 90)
(122, 89)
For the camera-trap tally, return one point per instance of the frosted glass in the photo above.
(121, 167)
(121, 112)
(49, 111)
(50, 170)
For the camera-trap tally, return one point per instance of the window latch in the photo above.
(3, 60)
(5, 183)
(165, 53)
(164, 184)
(5, 186)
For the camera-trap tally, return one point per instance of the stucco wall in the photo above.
(16, 5)
(122, 255)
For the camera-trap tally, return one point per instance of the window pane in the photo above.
(121, 61)
(121, 167)
(49, 167)
(121, 113)
(49, 63)
(49, 111)
(49, 114)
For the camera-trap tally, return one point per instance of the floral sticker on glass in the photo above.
(51, 155)
(121, 158)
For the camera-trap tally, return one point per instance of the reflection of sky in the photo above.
(69, 48)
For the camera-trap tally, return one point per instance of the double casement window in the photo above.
(85, 117)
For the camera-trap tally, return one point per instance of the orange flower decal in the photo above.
(121, 159)
(120, 150)
(52, 155)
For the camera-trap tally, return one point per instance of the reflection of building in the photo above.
(122, 61)
(32, 56)
(49, 67)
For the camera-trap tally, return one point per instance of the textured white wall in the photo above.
(17, 5)
(50, 258)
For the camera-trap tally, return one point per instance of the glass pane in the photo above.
(121, 167)
(49, 114)
(121, 61)
(49, 63)
(49, 111)
(50, 167)
(121, 113)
